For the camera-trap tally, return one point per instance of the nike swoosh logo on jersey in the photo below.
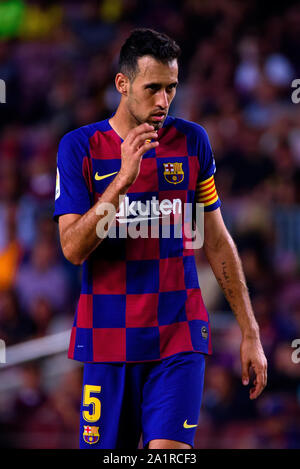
(188, 426)
(99, 178)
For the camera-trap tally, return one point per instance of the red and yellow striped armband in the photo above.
(206, 192)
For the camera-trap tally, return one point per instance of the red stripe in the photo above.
(204, 196)
(200, 194)
(105, 145)
(172, 142)
(203, 184)
(87, 172)
(72, 343)
(208, 200)
(204, 189)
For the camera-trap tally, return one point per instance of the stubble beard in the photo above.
(139, 120)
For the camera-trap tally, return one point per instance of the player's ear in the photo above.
(122, 83)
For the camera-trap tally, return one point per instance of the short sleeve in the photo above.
(71, 190)
(206, 192)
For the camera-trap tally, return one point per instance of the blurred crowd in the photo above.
(239, 58)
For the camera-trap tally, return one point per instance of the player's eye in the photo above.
(171, 87)
(153, 87)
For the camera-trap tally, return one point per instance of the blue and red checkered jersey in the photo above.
(140, 297)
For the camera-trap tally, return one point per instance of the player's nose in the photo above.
(162, 100)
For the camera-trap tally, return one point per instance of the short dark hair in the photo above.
(144, 41)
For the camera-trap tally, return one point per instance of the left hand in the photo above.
(252, 356)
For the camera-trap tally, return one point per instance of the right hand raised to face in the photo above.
(137, 142)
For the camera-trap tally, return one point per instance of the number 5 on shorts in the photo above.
(96, 404)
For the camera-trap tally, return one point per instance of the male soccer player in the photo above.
(141, 327)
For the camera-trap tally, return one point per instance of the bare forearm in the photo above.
(227, 267)
(81, 237)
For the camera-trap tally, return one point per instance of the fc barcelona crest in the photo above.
(90, 434)
(173, 172)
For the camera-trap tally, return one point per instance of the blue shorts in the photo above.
(158, 400)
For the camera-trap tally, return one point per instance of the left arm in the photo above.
(223, 257)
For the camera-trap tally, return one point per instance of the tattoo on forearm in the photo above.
(225, 285)
(225, 274)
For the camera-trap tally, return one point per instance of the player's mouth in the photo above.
(158, 117)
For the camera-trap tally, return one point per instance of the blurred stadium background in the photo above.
(239, 58)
